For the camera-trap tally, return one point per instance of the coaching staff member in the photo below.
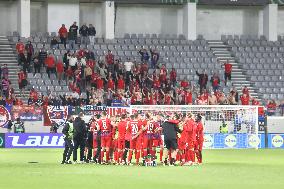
(68, 132)
(80, 135)
(170, 130)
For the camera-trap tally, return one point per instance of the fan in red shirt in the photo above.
(22, 79)
(163, 74)
(245, 91)
(167, 98)
(18, 102)
(134, 85)
(184, 84)
(245, 99)
(100, 83)
(228, 71)
(92, 64)
(215, 80)
(203, 99)
(135, 143)
(199, 138)
(63, 34)
(81, 53)
(271, 108)
(50, 64)
(109, 58)
(20, 47)
(120, 83)
(188, 97)
(173, 77)
(254, 102)
(105, 127)
(59, 69)
(33, 94)
(110, 83)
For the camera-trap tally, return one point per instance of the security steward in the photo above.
(68, 132)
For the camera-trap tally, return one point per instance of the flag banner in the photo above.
(57, 114)
(5, 116)
(26, 113)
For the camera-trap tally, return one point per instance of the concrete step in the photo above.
(225, 58)
(222, 55)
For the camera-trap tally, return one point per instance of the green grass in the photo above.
(230, 169)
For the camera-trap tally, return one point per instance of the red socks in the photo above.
(130, 156)
(161, 154)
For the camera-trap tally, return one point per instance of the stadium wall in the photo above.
(8, 17)
(231, 20)
(148, 19)
(38, 17)
(159, 19)
(91, 13)
(280, 26)
(59, 12)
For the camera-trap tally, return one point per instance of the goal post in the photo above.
(241, 121)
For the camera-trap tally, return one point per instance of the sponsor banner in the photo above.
(208, 141)
(2, 140)
(233, 2)
(5, 116)
(34, 140)
(27, 113)
(211, 141)
(233, 141)
(276, 141)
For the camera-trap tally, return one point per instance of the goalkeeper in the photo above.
(224, 128)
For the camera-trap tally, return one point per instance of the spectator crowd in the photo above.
(114, 82)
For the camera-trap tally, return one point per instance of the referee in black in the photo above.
(170, 130)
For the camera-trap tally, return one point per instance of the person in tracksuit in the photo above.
(68, 132)
(80, 136)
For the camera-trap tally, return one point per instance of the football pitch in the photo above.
(230, 169)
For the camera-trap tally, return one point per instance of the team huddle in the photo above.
(121, 139)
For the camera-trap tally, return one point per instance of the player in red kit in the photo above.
(191, 126)
(148, 131)
(135, 142)
(94, 128)
(121, 128)
(105, 127)
(199, 138)
(182, 140)
(157, 138)
(114, 143)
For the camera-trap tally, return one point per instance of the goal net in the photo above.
(241, 123)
